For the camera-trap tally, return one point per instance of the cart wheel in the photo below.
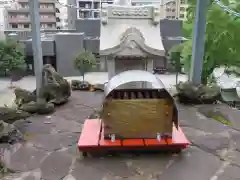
(84, 154)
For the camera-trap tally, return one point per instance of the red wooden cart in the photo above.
(93, 139)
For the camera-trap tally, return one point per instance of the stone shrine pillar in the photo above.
(111, 66)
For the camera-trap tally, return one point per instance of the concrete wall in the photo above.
(48, 48)
(170, 30)
(92, 45)
(72, 14)
(67, 47)
(90, 27)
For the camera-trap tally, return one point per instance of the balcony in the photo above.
(48, 20)
(28, 20)
(41, 1)
(26, 10)
(47, 10)
(18, 20)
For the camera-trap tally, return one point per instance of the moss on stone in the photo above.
(219, 117)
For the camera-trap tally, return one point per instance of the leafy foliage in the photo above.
(85, 62)
(11, 56)
(221, 40)
(175, 59)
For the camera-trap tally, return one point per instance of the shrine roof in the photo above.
(111, 33)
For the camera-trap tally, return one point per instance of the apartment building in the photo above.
(176, 9)
(18, 16)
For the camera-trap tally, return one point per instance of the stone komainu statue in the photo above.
(55, 88)
(54, 91)
(144, 112)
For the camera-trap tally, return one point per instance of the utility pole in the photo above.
(198, 41)
(36, 43)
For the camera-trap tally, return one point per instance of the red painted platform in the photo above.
(92, 139)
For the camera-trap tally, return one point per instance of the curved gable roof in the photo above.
(114, 35)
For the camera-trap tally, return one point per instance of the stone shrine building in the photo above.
(130, 38)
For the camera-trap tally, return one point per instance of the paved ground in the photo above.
(29, 83)
(169, 80)
(49, 152)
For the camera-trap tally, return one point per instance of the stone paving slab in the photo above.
(192, 164)
(37, 125)
(50, 151)
(54, 142)
(230, 173)
(231, 114)
(235, 136)
(234, 157)
(26, 152)
(192, 118)
(56, 165)
(212, 143)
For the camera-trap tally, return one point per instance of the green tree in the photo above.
(85, 62)
(221, 40)
(11, 57)
(175, 59)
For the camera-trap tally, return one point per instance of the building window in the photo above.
(182, 16)
(85, 4)
(96, 15)
(26, 26)
(23, 16)
(13, 16)
(49, 25)
(96, 5)
(43, 25)
(46, 6)
(84, 14)
(47, 16)
(81, 15)
(14, 26)
(24, 6)
(173, 10)
(182, 9)
(183, 2)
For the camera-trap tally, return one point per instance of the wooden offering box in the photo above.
(138, 113)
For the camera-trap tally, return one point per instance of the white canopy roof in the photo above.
(133, 76)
